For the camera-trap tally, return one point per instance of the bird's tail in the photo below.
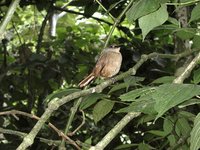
(86, 80)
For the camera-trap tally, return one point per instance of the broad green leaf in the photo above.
(195, 134)
(186, 33)
(101, 109)
(90, 100)
(168, 125)
(170, 95)
(182, 127)
(133, 80)
(195, 13)
(132, 95)
(59, 94)
(141, 8)
(118, 87)
(165, 79)
(187, 114)
(129, 81)
(142, 105)
(172, 140)
(152, 20)
(196, 76)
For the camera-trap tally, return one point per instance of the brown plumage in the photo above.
(107, 65)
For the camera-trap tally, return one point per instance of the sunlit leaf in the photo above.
(141, 8)
(152, 20)
(195, 13)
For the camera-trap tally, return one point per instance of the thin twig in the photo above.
(79, 13)
(78, 128)
(113, 18)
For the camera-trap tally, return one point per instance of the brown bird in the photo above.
(107, 65)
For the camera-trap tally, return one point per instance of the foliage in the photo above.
(35, 71)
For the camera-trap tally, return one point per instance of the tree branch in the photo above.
(60, 133)
(114, 131)
(8, 17)
(22, 135)
(79, 13)
(186, 72)
(40, 35)
(54, 104)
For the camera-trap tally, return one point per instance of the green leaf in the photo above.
(183, 127)
(158, 133)
(143, 146)
(132, 95)
(152, 20)
(168, 125)
(172, 140)
(170, 95)
(187, 114)
(190, 102)
(101, 109)
(186, 33)
(195, 134)
(165, 79)
(129, 81)
(133, 80)
(196, 41)
(195, 13)
(144, 104)
(173, 21)
(196, 76)
(141, 8)
(90, 100)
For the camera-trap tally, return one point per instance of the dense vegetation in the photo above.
(48, 46)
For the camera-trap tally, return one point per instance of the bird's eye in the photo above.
(112, 46)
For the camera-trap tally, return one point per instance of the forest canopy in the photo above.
(48, 46)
